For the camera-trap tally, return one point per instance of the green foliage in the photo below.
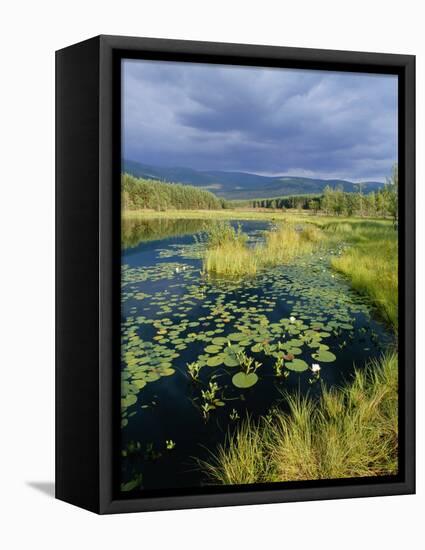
(370, 262)
(138, 194)
(222, 233)
(335, 201)
(351, 432)
(133, 484)
(193, 370)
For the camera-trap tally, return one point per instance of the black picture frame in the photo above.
(88, 269)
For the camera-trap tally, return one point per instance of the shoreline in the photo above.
(244, 214)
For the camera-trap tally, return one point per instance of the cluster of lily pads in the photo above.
(228, 335)
(169, 307)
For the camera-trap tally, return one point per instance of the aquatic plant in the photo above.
(278, 367)
(247, 377)
(170, 444)
(315, 370)
(168, 308)
(133, 484)
(210, 393)
(132, 448)
(210, 399)
(194, 369)
(151, 453)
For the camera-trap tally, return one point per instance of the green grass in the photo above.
(370, 262)
(243, 214)
(223, 214)
(350, 432)
(227, 253)
(231, 256)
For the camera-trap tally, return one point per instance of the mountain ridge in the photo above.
(242, 185)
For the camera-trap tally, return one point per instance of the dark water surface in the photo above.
(172, 315)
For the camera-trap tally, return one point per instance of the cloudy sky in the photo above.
(262, 120)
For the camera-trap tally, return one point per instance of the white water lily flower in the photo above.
(315, 367)
(292, 319)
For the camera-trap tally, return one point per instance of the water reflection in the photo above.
(135, 231)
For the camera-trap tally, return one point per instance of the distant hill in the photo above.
(242, 185)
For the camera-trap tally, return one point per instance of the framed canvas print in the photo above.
(235, 274)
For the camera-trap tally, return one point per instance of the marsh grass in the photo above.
(351, 432)
(226, 251)
(231, 260)
(370, 262)
(286, 242)
(230, 254)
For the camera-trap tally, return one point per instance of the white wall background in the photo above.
(30, 31)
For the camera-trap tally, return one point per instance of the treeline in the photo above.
(335, 201)
(301, 202)
(382, 203)
(138, 193)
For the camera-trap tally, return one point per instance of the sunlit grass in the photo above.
(282, 244)
(350, 432)
(231, 260)
(371, 263)
(287, 242)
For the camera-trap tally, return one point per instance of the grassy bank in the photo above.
(370, 262)
(242, 214)
(236, 214)
(351, 432)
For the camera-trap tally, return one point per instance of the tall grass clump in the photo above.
(286, 242)
(371, 263)
(351, 432)
(228, 253)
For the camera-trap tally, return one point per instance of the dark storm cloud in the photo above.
(262, 120)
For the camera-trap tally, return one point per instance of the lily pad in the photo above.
(294, 343)
(230, 360)
(167, 371)
(324, 356)
(256, 348)
(213, 349)
(297, 365)
(236, 336)
(242, 380)
(215, 361)
(219, 341)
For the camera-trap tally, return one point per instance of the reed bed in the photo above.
(233, 257)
